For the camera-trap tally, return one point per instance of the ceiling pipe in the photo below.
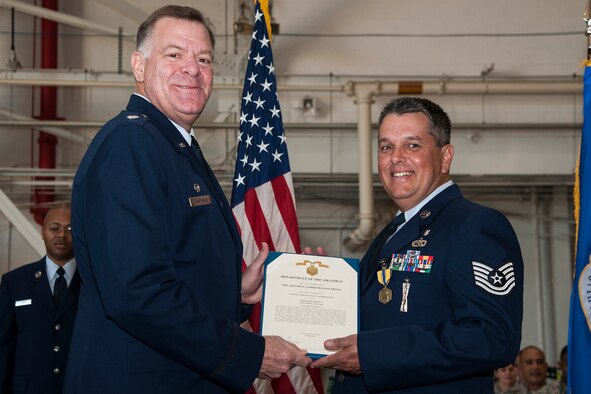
(364, 94)
(17, 120)
(435, 87)
(477, 87)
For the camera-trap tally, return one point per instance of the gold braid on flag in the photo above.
(577, 202)
(265, 8)
(576, 194)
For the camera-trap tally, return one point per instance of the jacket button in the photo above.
(56, 371)
(57, 327)
(56, 349)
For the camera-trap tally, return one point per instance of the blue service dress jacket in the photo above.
(34, 335)
(160, 260)
(460, 265)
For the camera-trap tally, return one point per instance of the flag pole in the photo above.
(587, 19)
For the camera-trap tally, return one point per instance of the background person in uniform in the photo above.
(563, 366)
(158, 251)
(441, 300)
(506, 381)
(533, 370)
(37, 313)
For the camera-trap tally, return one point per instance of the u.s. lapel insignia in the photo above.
(196, 187)
(494, 281)
(182, 145)
(425, 214)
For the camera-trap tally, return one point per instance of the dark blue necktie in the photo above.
(59, 288)
(391, 229)
(380, 241)
(207, 173)
(197, 150)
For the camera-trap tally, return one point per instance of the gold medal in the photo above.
(385, 295)
(384, 275)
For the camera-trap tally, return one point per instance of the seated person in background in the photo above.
(506, 380)
(533, 369)
(563, 365)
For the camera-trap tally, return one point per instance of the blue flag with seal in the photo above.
(579, 336)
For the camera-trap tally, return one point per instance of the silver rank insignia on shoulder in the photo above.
(132, 117)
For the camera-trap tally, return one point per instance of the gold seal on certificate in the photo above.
(308, 299)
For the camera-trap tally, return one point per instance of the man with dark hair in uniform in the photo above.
(38, 304)
(441, 287)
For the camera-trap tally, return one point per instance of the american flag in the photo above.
(263, 200)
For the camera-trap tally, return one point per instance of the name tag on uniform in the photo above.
(23, 302)
(200, 200)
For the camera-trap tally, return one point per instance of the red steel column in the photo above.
(47, 111)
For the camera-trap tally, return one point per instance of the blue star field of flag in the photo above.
(262, 151)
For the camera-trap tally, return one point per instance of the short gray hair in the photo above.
(191, 14)
(439, 123)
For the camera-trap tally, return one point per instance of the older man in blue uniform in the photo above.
(442, 285)
(38, 303)
(158, 251)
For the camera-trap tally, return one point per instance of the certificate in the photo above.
(308, 299)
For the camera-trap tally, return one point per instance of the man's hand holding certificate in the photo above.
(308, 299)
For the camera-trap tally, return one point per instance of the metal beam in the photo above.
(57, 131)
(123, 7)
(29, 232)
(60, 17)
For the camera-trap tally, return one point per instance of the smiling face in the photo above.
(175, 72)
(410, 163)
(533, 366)
(57, 235)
